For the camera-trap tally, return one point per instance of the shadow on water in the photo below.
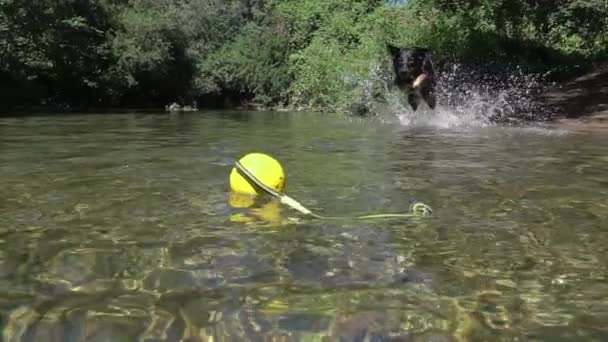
(121, 228)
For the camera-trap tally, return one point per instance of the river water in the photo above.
(121, 227)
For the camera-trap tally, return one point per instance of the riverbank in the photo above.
(581, 102)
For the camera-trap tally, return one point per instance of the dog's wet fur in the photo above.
(414, 74)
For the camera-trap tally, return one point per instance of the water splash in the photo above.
(473, 97)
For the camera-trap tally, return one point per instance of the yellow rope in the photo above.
(417, 209)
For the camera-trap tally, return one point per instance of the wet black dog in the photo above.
(414, 74)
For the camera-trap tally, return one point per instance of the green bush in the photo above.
(342, 63)
(253, 65)
(305, 54)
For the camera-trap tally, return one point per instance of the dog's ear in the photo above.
(393, 50)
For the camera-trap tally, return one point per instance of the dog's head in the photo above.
(410, 64)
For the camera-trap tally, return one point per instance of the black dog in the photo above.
(415, 74)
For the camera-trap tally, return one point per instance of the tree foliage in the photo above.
(310, 54)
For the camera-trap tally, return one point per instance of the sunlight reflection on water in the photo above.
(119, 227)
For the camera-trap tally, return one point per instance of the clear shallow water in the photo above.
(121, 228)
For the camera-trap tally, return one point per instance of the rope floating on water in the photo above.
(418, 209)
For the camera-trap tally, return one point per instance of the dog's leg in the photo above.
(413, 100)
(429, 96)
(432, 101)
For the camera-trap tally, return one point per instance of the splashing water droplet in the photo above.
(470, 97)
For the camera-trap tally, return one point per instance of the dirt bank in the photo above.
(581, 102)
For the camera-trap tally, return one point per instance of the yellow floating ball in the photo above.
(265, 168)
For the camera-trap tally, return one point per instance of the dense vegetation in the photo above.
(310, 54)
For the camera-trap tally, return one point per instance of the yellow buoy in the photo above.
(265, 168)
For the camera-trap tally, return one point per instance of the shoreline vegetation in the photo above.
(310, 55)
